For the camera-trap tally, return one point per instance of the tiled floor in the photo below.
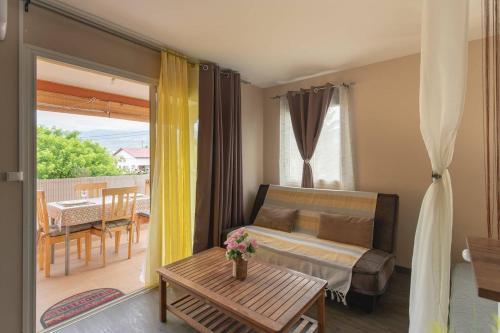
(119, 273)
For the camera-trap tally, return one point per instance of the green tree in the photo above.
(62, 154)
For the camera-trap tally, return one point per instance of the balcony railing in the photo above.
(63, 188)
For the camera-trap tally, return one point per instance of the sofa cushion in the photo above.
(353, 230)
(276, 218)
(468, 311)
(372, 272)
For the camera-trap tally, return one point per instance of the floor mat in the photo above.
(78, 304)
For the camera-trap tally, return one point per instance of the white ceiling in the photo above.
(84, 78)
(276, 41)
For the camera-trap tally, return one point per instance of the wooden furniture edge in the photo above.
(222, 250)
(309, 304)
(208, 296)
(203, 293)
(481, 290)
(302, 320)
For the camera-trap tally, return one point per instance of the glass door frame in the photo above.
(27, 164)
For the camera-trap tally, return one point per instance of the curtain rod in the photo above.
(326, 85)
(107, 27)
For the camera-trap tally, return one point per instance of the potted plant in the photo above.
(240, 248)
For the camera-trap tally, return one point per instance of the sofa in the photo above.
(372, 271)
(468, 311)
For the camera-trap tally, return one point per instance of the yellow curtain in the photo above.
(170, 231)
(193, 88)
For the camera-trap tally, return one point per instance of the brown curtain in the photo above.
(307, 112)
(219, 196)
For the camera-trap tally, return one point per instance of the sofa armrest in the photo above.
(259, 201)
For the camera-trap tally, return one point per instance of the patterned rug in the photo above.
(78, 304)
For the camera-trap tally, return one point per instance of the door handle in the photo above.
(14, 176)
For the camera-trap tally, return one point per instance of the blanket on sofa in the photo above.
(310, 203)
(301, 250)
(325, 259)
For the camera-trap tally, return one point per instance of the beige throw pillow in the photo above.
(276, 218)
(346, 229)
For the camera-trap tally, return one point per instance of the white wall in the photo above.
(125, 160)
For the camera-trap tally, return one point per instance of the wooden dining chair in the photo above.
(93, 190)
(117, 215)
(48, 236)
(142, 217)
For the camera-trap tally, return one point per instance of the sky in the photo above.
(81, 123)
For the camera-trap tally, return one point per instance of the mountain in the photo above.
(112, 140)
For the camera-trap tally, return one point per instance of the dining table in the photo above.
(64, 214)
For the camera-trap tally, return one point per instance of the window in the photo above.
(326, 162)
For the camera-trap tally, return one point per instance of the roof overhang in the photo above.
(57, 97)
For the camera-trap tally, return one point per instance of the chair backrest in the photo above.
(93, 190)
(147, 187)
(118, 203)
(42, 216)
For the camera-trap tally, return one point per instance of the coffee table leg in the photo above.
(163, 300)
(320, 303)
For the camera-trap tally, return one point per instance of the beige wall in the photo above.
(252, 142)
(389, 152)
(54, 32)
(10, 193)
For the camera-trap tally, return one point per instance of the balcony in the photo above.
(119, 273)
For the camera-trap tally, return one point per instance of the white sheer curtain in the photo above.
(332, 160)
(443, 70)
(346, 156)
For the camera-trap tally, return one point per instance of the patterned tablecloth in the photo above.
(68, 213)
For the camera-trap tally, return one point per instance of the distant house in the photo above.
(133, 159)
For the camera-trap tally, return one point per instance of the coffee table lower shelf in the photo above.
(206, 318)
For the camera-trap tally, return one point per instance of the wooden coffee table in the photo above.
(270, 299)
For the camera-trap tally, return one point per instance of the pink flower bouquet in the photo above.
(240, 245)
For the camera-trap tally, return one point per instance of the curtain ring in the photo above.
(315, 90)
(204, 67)
(436, 177)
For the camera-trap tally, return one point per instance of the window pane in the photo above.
(326, 159)
(290, 159)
